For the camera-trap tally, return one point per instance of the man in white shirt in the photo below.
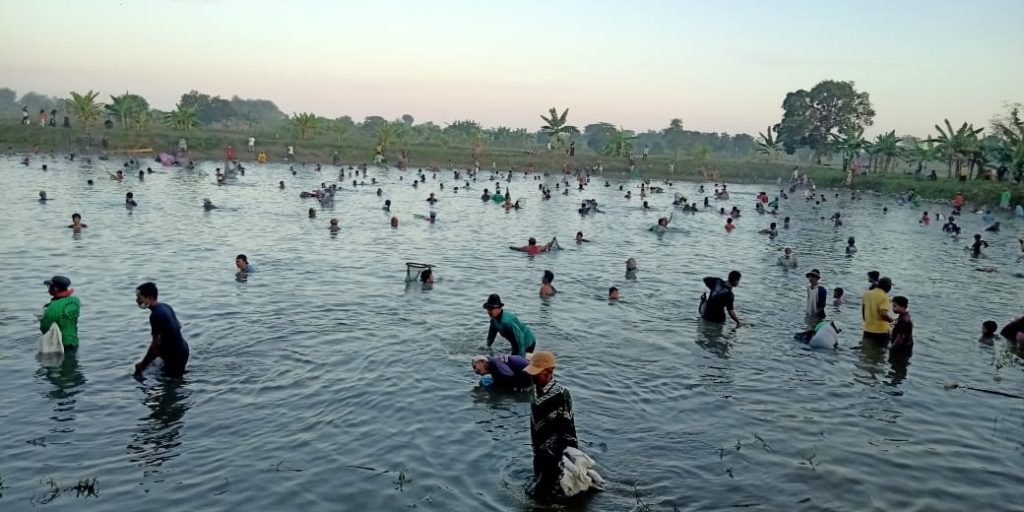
(252, 144)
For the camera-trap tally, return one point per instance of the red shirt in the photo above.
(230, 152)
(959, 201)
(533, 249)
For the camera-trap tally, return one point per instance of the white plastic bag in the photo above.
(52, 342)
(578, 474)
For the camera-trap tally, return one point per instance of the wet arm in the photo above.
(50, 316)
(491, 333)
(152, 353)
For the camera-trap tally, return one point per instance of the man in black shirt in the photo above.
(720, 300)
(168, 343)
(552, 426)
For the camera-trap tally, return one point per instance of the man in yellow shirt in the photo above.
(875, 311)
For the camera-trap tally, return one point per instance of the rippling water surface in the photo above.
(323, 382)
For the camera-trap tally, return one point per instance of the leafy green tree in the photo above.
(619, 143)
(1008, 150)
(183, 118)
(256, 111)
(304, 124)
(813, 118)
(919, 152)
(407, 119)
(674, 136)
(465, 130)
(211, 109)
(597, 135)
(556, 126)
(387, 133)
(85, 108)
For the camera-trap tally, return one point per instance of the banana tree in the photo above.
(849, 144)
(920, 152)
(956, 145)
(125, 107)
(85, 108)
(1010, 134)
(555, 126)
(183, 118)
(305, 124)
(767, 144)
(620, 143)
(885, 151)
(386, 133)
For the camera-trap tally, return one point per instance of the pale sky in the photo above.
(722, 65)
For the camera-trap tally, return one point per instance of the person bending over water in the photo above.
(509, 326)
(502, 372)
(546, 288)
(167, 342)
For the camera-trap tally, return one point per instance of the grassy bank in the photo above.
(354, 148)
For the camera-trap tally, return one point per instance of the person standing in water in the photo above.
(875, 312)
(552, 426)
(721, 300)
(167, 342)
(546, 288)
(817, 295)
(62, 310)
(509, 326)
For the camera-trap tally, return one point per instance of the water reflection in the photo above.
(67, 379)
(899, 360)
(714, 338)
(159, 434)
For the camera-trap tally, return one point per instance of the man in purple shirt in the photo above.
(505, 372)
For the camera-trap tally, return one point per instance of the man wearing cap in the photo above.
(509, 326)
(62, 310)
(817, 296)
(875, 311)
(505, 372)
(552, 426)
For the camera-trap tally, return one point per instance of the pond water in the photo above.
(324, 382)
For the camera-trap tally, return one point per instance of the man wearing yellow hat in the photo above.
(552, 427)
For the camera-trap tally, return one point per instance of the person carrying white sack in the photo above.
(62, 311)
(559, 468)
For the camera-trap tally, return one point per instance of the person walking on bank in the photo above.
(62, 310)
(168, 343)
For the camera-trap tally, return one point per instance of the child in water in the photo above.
(977, 245)
(838, 296)
(729, 226)
(924, 219)
(988, 332)
(613, 294)
(850, 247)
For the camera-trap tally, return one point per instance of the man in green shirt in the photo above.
(62, 310)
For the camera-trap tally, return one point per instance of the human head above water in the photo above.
(613, 293)
(734, 277)
(548, 277)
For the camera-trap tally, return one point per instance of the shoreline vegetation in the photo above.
(821, 131)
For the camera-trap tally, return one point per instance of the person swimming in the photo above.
(208, 205)
(334, 228)
(129, 200)
(42, 197)
(580, 239)
(532, 248)
(662, 226)
(977, 245)
(76, 222)
(788, 258)
(772, 231)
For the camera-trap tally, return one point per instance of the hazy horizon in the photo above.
(722, 68)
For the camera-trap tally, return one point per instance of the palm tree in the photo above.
(85, 108)
(885, 150)
(304, 123)
(555, 125)
(956, 145)
(767, 144)
(619, 143)
(183, 118)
